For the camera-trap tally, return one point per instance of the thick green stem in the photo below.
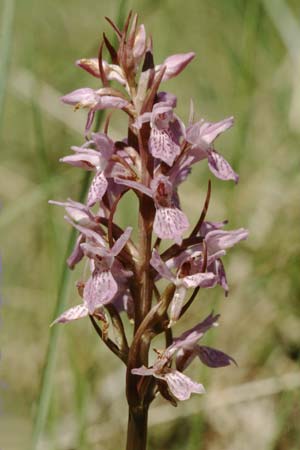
(137, 428)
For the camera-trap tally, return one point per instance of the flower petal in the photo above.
(220, 167)
(77, 312)
(83, 160)
(134, 185)
(162, 146)
(207, 226)
(182, 386)
(100, 289)
(205, 133)
(121, 242)
(221, 240)
(168, 98)
(97, 189)
(213, 358)
(176, 304)
(78, 212)
(143, 371)
(111, 101)
(207, 279)
(175, 64)
(221, 276)
(84, 97)
(77, 253)
(170, 223)
(88, 233)
(103, 144)
(190, 337)
(184, 358)
(139, 46)
(160, 266)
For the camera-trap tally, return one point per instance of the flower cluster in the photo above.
(148, 285)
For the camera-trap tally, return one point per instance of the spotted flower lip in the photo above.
(166, 131)
(169, 221)
(101, 287)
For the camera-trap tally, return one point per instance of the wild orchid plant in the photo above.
(126, 277)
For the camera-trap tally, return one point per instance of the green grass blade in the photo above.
(6, 34)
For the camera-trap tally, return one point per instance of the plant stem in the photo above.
(146, 215)
(137, 428)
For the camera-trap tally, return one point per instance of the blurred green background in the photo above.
(247, 65)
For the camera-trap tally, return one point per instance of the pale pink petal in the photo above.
(139, 46)
(170, 223)
(123, 301)
(190, 337)
(78, 212)
(99, 290)
(114, 72)
(95, 250)
(143, 371)
(220, 167)
(82, 160)
(221, 240)
(134, 185)
(91, 234)
(175, 64)
(182, 386)
(168, 98)
(199, 279)
(176, 304)
(162, 146)
(207, 226)
(97, 189)
(121, 242)
(204, 132)
(160, 266)
(110, 101)
(143, 118)
(213, 130)
(77, 253)
(212, 258)
(84, 97)
(77, 312)
(103, 144)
